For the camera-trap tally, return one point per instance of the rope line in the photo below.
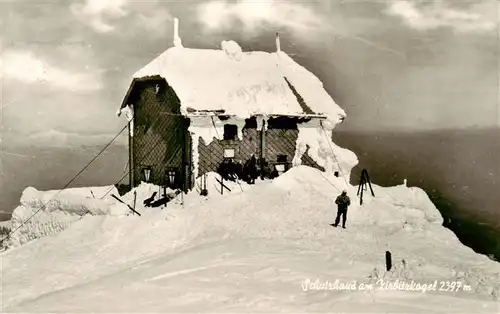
(66, 186)
(131, 166)
(324, 177)
(334, 156)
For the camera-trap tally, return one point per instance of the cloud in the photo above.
(153, 20)
(221, 15)
(55, 138)
(24, 66)
(97, 13)
(106, 16)
(438, 14)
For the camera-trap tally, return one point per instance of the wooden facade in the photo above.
(278, 141)
(161, 141)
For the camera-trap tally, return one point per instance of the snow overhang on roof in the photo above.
(219, 113)
(241, 83)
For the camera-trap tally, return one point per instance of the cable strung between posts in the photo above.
(334, 156)
(66, 186)
(133, 168)
(329, 182)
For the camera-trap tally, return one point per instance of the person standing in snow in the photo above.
(252, 169)
(343, 201)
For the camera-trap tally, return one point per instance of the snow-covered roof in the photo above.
(241, 83)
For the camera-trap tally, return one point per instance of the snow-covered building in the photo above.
(191, 108)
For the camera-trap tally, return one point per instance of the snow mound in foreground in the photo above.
(277, 232)
(43, 213)
(303, 200)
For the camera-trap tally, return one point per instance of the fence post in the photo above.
(388, 260)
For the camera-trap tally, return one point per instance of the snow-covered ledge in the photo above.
(317, 135)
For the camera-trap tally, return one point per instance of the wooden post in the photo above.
(388, 260)
(135, 198)
(184, 164)
(131, 165)
(262, 148)
(363, 185)
(130, 207)
(361, 189)
(369, 182)
(360, 185)
(221, 185)
(361, 197)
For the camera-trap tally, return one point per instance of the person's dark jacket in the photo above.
(252, 167)
(343, 201)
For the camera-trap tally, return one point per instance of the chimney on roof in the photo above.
(177, 39)
(278, 46)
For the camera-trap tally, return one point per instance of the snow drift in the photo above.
(277, 231)
(49, 212)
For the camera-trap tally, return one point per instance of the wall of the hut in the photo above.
(160, 134)
(280, 139)
(212, 155)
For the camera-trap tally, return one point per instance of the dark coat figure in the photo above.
(251, 169)
(229, 170)
(225, 169)
(343, 201)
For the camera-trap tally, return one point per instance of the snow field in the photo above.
(251, 249)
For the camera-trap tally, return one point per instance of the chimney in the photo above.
(278, 46)
(177, 39)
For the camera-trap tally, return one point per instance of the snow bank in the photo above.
(49, 212)
(5, 224)
(300, 194)
(73, 201)
(232, 50)
(277, 231)
(316, 140)
(248, 83)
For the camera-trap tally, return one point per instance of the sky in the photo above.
(392, 65)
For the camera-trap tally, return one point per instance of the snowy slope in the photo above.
(253, 251)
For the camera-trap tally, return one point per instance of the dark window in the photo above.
(283, 123)
(223, 118)
(282, 158)
(251, 123)
(230, 131)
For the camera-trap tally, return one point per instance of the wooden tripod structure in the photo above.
(364, 182)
